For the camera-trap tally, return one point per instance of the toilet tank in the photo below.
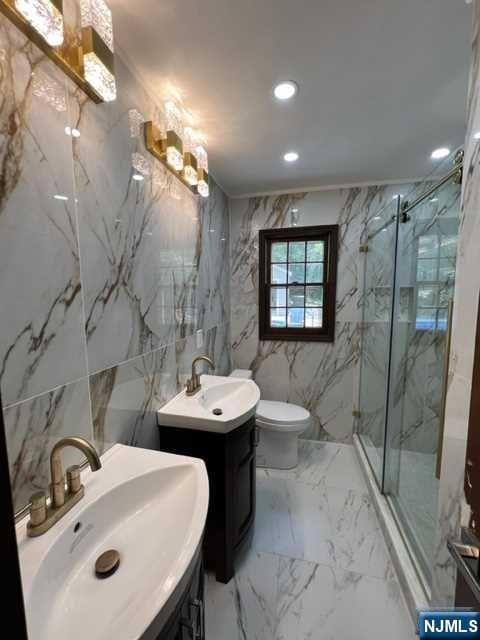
(246, 374)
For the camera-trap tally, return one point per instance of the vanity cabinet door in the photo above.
(230, 461)
(243, 485)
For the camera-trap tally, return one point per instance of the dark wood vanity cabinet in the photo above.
(230, 461)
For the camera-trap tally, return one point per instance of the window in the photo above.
(436, 262)
(297, 283)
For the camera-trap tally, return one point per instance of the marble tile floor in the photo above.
(318, 568)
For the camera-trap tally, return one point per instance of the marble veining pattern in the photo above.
(41, 341)
(279, 593)
(104, 280)
(320, 376)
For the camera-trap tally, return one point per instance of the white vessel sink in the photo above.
(149, 506)
(233, 400)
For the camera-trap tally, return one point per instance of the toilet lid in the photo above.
(278, 415)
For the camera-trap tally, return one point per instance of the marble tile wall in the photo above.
(452, 508)
(323, 377)
(104, 280)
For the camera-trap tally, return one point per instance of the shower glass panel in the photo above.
(425, 280)
(409, 281)
(380, 238)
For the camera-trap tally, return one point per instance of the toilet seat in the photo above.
(282, 416)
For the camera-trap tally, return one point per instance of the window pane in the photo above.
(315, 272)
(428, 247)
(278, 318)
(314, 297)
(296, 318)
(279, 251)
(296, 252)
(279, 274)
(447, 269)
(278, 297)
(426, 319)
(448, 247)
(296, 296)
(427, 296)
(426, 270)
(315, 251)
(313, 318)
(296, 273)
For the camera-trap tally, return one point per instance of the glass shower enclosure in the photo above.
(409, 280)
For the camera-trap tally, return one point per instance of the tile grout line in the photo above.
(113, 366)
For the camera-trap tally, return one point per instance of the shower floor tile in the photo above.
(318, 568)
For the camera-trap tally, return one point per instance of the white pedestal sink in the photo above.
(221, 405)
(149, 506)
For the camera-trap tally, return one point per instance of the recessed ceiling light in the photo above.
(291, 156)
(138, 177)
(433, 199)
(285, 90)
(58, 196)
(476, 135)
(295, 210)
(441, 152)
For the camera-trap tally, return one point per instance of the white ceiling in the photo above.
(382, 83)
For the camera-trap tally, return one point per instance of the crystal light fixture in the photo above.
(177, 147)
(202, 158)
(174, 151)
(45, 16)
(190, 165)
(97, 45)
(174, 143)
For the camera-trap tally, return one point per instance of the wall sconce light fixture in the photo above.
(88, 60)
(203, 186)
(97, 48)
(178, 149)
(190, 164)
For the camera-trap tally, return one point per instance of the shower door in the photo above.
(424, 287)
(409, 281)
(380, 241)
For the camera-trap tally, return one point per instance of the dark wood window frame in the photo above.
(329, 235)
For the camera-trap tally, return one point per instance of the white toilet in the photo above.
(279, 425)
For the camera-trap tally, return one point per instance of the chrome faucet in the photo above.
(193, 384)
(62, 499)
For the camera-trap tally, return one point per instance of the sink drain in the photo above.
(217, 412)
(107, 564)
